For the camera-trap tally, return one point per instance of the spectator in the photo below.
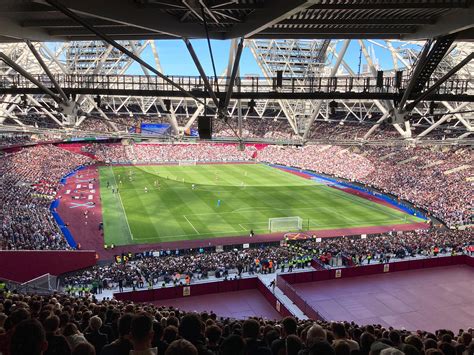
(339, 332)
(213, 335)
(73, 336)
(190, 328)
(141, 331)
(28, 338)
(289, 326)
(232, 345)
(181, 347)
(17, 316)
(122, 345)
(84, 349)
(94, 336)
(57, 344)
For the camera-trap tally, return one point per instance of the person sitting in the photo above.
(94, 336)
(122, 345)
(57, 344)
(181, 347)
(29, 338)
(73, 336)
(141, 331)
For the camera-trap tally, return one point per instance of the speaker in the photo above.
(398, 79)
(279, 82)
(204, 127)
(167, 104)
(380, 79)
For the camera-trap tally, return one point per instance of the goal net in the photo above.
(186, 162)
(285, 224)
(44, 284)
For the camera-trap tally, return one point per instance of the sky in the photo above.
(176, 60)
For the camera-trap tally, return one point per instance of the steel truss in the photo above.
(298, 59)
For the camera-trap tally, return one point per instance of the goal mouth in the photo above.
(285, 224)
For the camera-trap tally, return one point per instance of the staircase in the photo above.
(434, 57)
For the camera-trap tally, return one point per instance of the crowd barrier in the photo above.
(285, 281)
(200, 289)
(25, 265)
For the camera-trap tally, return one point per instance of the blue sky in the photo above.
(176, 60)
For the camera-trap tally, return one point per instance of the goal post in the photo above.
(285, 224)
(186, 162)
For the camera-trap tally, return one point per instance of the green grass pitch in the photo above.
(250, 194)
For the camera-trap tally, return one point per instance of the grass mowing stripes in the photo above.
(250, 194)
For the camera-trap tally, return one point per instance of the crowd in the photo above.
(438, 181)
(17, 139)
(58, 324)
(166, 268)
(278, 128)
(148, 153)
(29, 181)
(435, 180)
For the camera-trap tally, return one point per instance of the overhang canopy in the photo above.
(36, 20)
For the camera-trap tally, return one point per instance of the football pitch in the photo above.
(182, 203)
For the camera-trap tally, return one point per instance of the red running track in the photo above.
(84, 229)
(237, 304)
(428, 299)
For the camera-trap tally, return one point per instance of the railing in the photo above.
(290, 292)
(255, 85)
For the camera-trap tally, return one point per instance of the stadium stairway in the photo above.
(284, 300)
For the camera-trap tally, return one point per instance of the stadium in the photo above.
(239, 177)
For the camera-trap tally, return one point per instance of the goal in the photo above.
(186, 162)
(285, 224)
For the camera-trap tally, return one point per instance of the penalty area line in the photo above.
(186, 218)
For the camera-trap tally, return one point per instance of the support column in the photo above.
(318, 105)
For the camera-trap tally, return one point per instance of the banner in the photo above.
(186, 291)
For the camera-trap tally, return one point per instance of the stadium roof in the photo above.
(39, 20)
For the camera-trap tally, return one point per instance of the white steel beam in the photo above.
(334, 69)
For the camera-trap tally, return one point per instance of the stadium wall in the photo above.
(25, 265)
(200, 289)
(192, 290)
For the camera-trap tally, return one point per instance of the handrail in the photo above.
(256, 85)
